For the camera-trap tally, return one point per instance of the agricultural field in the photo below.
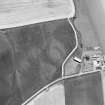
(23, 12)
(37, 53)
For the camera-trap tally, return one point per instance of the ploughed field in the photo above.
(84, 90)
(31, 57)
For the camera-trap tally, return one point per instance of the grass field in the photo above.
(84, 24)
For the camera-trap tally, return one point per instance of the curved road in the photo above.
(63, 77)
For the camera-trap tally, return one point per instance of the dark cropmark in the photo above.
(33, 66)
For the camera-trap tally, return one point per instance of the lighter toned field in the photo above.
(54, 96)
(84, 24)
(25, 12)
